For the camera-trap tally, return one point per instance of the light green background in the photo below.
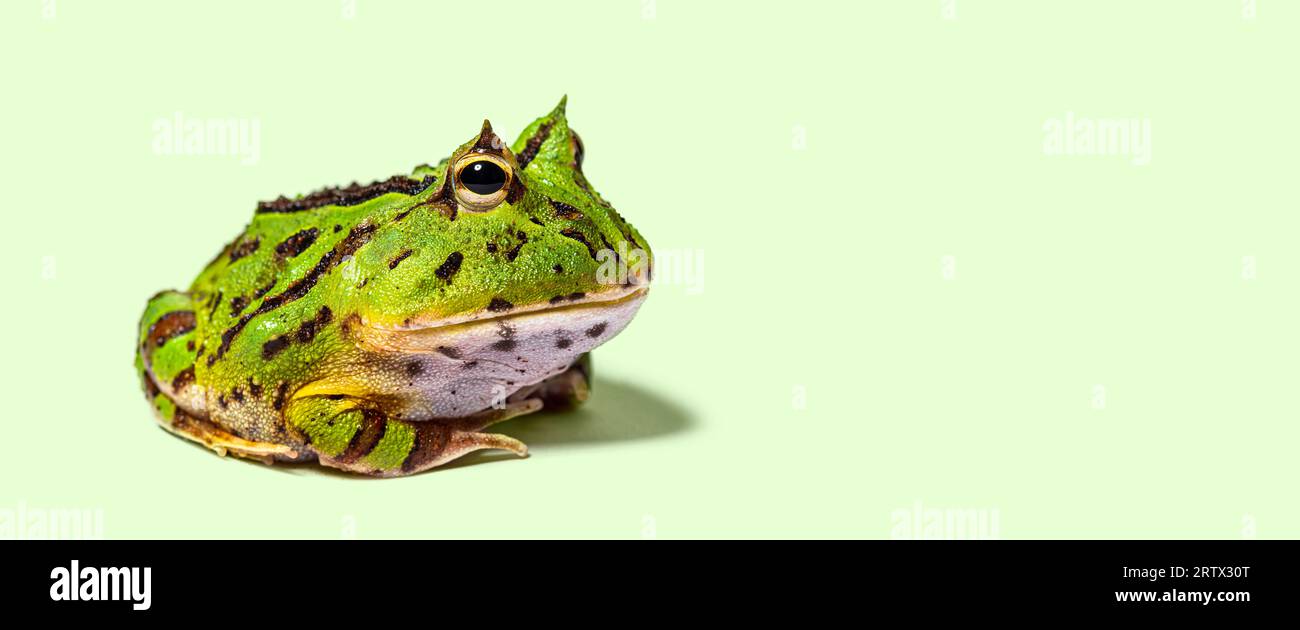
(823, 264)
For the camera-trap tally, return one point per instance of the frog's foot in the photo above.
(358, 436)
(225, 443)
(563, 391)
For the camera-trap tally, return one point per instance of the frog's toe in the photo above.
(223, 442)
(565, 390)
(463, 443)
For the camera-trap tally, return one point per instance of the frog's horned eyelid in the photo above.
(488, 140)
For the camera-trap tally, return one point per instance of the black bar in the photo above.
(253, 576)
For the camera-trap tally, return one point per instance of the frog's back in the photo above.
(231, 350)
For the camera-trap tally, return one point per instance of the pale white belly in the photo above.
(454, 371)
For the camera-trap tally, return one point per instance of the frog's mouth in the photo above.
(570, 325)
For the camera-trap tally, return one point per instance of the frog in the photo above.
(381, 329)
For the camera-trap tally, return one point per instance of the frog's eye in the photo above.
(482, 181)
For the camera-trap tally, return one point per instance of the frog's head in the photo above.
(520, 240)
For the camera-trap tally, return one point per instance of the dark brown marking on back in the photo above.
(352, 195)
(373, 427)
(166, 328)
(572, 297)
(604, 241)
(581, 238)
(516, 192)
(254, 388)
(514, 251)
(566, 211)
(534, 145)
(151, 390)
(498, 305)
(444, 200)
(212, 306)
(626, 229)
(274, 346)
(297, 243)
(280, 394)
(406, 253)
(263, 290)
(596, 331)
(579, 151)
(244, 248)
(449, 352)
(358, 236)
(183, 378)
(449, 267)
(307, 331)
(237, 305)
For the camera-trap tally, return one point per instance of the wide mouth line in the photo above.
(589, 301)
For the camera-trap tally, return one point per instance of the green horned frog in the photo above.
(380, 329)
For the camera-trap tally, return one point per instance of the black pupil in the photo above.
(483, 177)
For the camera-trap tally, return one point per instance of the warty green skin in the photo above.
(299, 344)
